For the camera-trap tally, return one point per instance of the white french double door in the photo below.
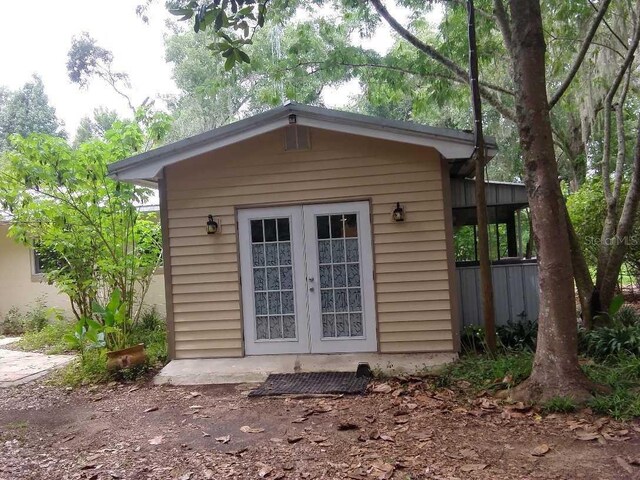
(307, 279)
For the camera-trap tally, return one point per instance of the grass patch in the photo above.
(483, 371)
(559, 405)
(92, 370)
(622, 374)
(49, 340)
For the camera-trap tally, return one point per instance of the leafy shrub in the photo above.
(472, 339)
(151, 330)
(50, 339)
(150, 319)
(13, 323)
(483, 371)
(559, 405)
(38, 315)
(627, 316)
(515, 336)
(521, 336)
(92, 370)
(609, 341)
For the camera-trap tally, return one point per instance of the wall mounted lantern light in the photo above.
(212, 225)
(398, 213)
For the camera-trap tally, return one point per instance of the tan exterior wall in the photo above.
(19, 287)
(411, 269)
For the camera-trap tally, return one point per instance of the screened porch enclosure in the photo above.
(512, 253)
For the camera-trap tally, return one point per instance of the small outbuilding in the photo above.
(306, 230)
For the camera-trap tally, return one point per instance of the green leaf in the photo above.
(615, 304)
(229, 64)
(243, 56)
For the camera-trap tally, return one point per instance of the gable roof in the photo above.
(455, 145)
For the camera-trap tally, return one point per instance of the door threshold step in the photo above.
(254, 369)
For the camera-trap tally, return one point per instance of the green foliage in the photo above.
(233, 24)
(472, 339)
(611, 340)
(513, 336)
(85, 226)
(92, 367)
(96, 126)
(12, 323)
(559, 405)
(627, 316)
(26, 111)
(33, 320)
(114, 323)
(622, 375)
(91, 370)
(86, 335)
(485, 372)
(518, 336)
(50, 339)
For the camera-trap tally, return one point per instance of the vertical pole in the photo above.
(481, 199)
(512, 236)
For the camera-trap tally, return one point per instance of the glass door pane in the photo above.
(273, 279)
(339, 275)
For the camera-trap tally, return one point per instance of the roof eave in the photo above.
(147, 167)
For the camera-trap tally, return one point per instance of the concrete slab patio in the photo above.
(18, 367)
(256, 368)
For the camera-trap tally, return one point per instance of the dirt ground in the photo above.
(400, 430)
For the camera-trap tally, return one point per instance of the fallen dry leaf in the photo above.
(300, 420)
(265, 470)
(151, 409)
(224, 439)
(587, 436)
(382, 388)
(624, 464)
(541, 450)
(346, 425)
(473, 467)
(318, 439)
(156, 440)
(248, 429)
(294, 439)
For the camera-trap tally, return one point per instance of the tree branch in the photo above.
(502, 19)
(609, 27)
(452, 78)
(595, 23)
(449, 64)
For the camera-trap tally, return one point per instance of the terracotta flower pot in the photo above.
(127, 357)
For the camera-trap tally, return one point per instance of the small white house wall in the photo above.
(20, 288)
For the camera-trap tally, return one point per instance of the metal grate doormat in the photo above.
(311, 383)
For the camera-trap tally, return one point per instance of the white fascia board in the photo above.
(448, 148)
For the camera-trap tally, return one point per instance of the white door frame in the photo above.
(305, 261)
(368, 342)
(253, 346)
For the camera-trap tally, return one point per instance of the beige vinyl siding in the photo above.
(412, 284)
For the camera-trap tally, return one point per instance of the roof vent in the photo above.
(296, 137)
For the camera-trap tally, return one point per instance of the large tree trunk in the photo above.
(556, 371)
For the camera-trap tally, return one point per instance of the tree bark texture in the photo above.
(556, 371)
(486, 281)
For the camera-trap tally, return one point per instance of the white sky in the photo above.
(40, 44)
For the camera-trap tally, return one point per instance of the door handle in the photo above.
(311, 279)
(311, 289)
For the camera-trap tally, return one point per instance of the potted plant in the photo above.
(116, 333)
